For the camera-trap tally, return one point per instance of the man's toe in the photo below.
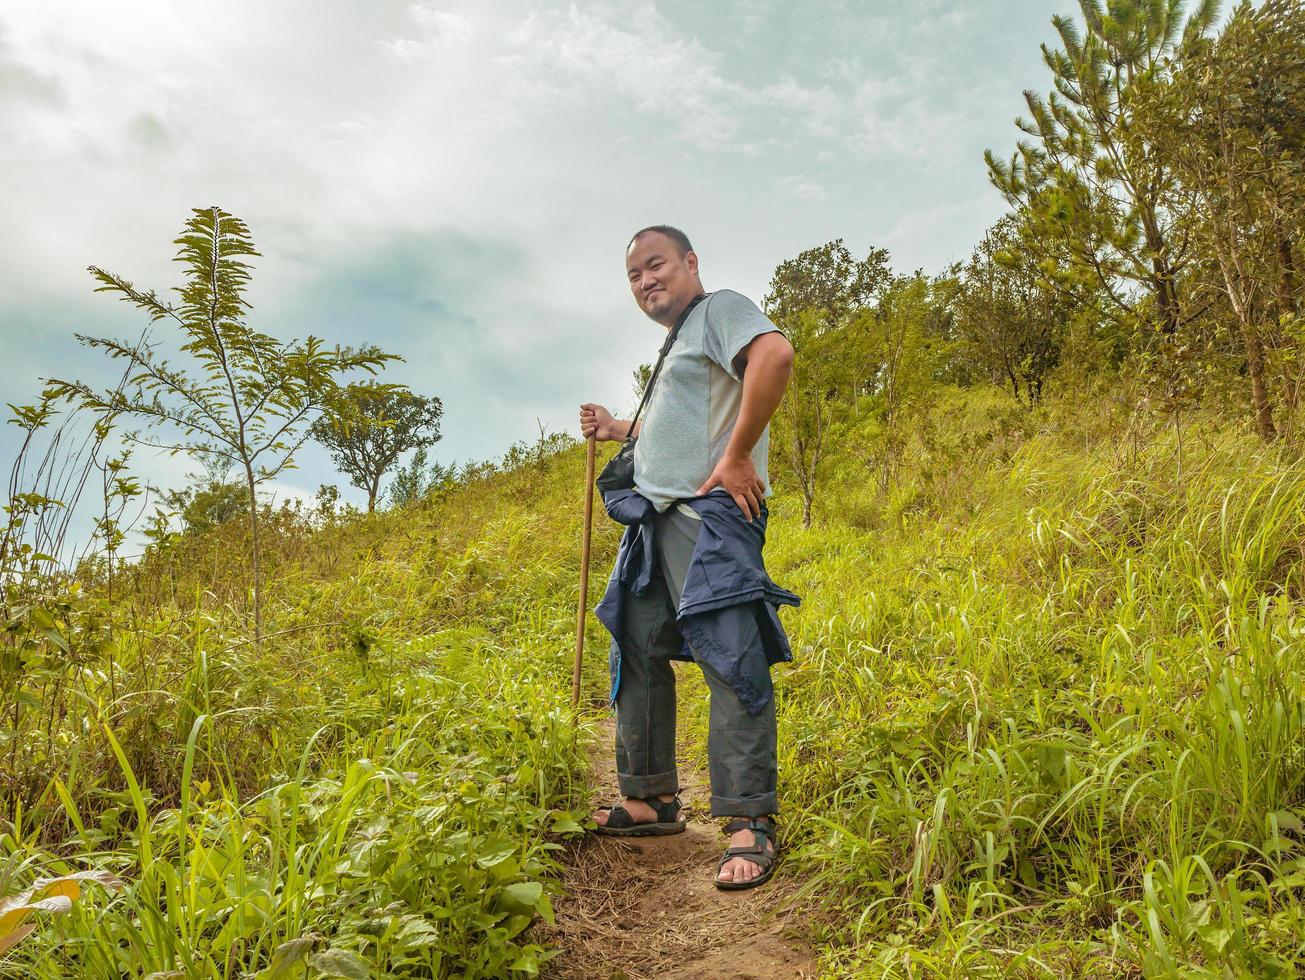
(735, 870)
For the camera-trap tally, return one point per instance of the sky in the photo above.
(456, 181)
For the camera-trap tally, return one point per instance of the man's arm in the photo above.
(768, 361)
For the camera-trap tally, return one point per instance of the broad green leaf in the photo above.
(524, 894)
(566, 824)
(340, 963)
(286, 957)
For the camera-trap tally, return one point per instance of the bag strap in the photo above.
(670, 339)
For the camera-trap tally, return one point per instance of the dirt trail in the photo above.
(643, 908)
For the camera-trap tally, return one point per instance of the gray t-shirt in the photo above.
(695, 401)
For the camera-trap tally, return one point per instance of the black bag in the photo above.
(618, 474)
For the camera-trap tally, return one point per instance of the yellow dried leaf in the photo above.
(9, 940)
(68, 887)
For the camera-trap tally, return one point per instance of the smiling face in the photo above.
(662, 278)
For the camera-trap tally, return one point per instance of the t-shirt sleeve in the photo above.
(733, 321)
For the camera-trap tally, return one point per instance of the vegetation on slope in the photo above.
(376, 790)
(1047, 710)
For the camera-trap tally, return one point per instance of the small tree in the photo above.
(369, 426)
(253, 394)
(815, 298)
(801, 426)
(899, 336)
(642, 375)
(1010, 319)
(418, 479)
(1233, 122)
(207, 505)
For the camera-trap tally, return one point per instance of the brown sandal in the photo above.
(621, 824)
(757, 853)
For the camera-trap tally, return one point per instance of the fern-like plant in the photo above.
(248, 398)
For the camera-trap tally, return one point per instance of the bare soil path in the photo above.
(644, 908)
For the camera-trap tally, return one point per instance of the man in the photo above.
(699, 461)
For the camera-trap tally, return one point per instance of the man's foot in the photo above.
(746, 871)
(650, 816)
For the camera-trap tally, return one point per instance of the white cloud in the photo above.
(439, 30)
(652, 70)
(492, 156)
(799, 186)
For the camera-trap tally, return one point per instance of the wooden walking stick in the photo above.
(584, 570)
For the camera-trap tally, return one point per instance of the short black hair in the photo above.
(680, 239)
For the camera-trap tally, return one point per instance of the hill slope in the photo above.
(1045, 719)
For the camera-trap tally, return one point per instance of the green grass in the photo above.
(1053, 726)
(379, 790)
(1045, 720)
(414, 836)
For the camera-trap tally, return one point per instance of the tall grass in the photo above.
(1052, 725)
(377, 790)
(1045, 720)
(412, 836)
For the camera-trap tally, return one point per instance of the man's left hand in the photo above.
(739, 477)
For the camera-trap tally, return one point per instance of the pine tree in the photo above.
(1091, 182)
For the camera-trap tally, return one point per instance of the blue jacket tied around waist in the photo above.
(727, 613)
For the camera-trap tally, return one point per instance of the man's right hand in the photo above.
(597, 421)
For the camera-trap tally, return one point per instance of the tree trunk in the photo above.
(1260, 405)
(1162, 276)
(1287, 286)
(1240, 288)
(257, 570)
(806, 507)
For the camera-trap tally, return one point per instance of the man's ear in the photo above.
(692, 258)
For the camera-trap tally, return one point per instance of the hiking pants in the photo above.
(740, 746)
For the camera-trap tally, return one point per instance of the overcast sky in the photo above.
(456, 181)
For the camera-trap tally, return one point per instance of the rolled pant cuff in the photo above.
(753, 806)
(653, 784)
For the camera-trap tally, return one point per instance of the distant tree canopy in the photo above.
(1158, 206)
(858, 333)
(826, 281)
(1231, 121)
(1009, 316)
(208, 505)
(367, 427)
(1155, 236)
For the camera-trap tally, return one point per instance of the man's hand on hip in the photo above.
(739, 476)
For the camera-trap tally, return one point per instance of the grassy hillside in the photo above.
(1048, 719)
(379, 789)
(1045, 720)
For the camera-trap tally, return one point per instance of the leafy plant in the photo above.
(253, 395)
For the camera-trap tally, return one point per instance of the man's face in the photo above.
(661, 278)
